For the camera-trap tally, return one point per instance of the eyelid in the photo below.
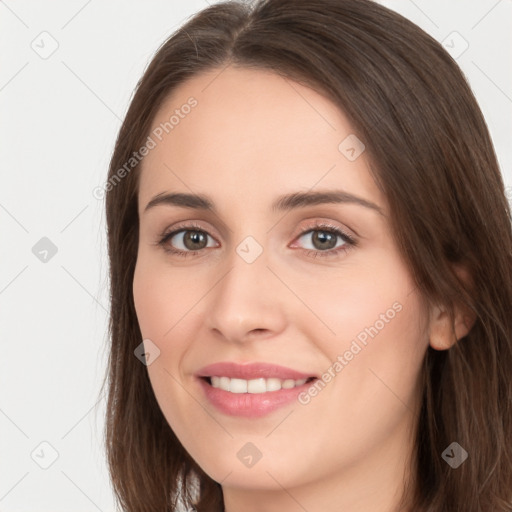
(311, 225)
(185, 226)
(317, 224)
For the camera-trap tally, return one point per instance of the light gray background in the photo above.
(60, 116)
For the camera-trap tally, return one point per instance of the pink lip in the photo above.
(250, 405)
(251, 371)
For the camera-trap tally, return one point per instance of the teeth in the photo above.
(273, 384)
(254, 386)
(238, 386)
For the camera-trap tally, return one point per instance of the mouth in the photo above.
(251, 390)
(254, 386)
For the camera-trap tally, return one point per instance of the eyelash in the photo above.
(316, 226)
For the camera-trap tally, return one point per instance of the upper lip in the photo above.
(250, 371)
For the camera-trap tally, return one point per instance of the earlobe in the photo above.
(441, 335)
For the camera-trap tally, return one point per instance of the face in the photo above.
(311, 289)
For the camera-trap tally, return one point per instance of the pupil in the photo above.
(324, 240)
(193, 237)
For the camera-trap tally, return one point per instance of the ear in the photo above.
(442, 333)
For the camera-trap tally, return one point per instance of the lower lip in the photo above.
(250, 405)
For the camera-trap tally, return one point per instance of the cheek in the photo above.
(375, 358)
(369, 299)
(160, 299)
(373, 324)
(161, 314)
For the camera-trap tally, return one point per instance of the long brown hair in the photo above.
(433, 159)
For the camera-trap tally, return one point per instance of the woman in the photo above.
(310, 251)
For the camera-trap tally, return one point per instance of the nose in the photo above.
(247, 304)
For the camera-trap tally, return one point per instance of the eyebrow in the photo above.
(283, 203)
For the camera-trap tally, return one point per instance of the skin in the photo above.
(252, 137)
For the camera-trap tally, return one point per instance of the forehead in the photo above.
(250, 130)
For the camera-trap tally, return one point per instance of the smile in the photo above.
(254, 386)
(251, 390)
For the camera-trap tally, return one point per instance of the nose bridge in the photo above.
(246, 298)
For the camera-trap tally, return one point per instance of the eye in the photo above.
(326, 240)
(187, 241)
